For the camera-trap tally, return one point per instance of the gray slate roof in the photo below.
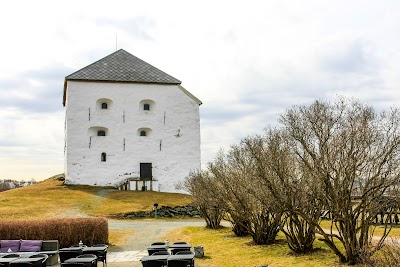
(122, 66)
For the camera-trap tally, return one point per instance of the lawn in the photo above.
(223, 249)
(51, 198)
(394, 232)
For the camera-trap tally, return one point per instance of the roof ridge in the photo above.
(94, 63)
(121, 66)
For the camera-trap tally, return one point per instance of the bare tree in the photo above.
(349, 155)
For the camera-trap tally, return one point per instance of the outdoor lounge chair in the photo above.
(163, 252)
(44, 259)
(153, 263)
(158, 243)
(12, 256)
(179, 263)
(67, 254)
(70, 264)
(185, 252)
(21, 264)
(102, 256)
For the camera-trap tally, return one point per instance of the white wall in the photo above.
(177, 157)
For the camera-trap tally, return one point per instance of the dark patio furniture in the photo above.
(178, 263)
(87, 261)
(12, 256)
(156, 247)
(100, 250)
(159, 243)
(179, 246)
(25, 262)
(91, 256)
(68, 253)
(43, 259)
(185, 253)
(21, 264)
(154, 261)
(5, 261)
(182, 259)
(164, 252)
(72, 264)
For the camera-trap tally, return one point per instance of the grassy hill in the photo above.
(51, 198)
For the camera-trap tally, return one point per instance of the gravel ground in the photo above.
(148, 231)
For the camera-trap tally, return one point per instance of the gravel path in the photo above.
(148, 231)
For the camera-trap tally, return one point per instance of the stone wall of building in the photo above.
(171, 144)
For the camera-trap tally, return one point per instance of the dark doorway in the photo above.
(145, 171)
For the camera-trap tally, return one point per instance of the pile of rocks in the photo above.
(164, 211)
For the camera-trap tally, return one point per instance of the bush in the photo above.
(389, 255)
(68, 232)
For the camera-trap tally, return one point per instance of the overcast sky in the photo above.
(248, 61)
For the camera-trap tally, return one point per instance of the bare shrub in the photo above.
(67, 231)
(388, 255)
(200, 185)
(279, 184)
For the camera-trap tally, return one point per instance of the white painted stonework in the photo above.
(172, 126)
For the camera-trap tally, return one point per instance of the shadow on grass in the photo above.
(204, 258)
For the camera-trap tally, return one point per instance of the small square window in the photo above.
(146, 106)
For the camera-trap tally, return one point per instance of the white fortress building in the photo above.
(129, 125)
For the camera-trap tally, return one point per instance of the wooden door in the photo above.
(145, 171)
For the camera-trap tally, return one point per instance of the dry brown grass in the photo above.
(127, 201)
(51, 198)
(119, 237)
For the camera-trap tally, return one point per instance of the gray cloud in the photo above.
(19, 93)
(353, 57)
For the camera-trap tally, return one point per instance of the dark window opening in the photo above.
(103, 105)
(143, 133)
(146, 106)
(103, 157)
(101, 133)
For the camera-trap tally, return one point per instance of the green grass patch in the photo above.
(223, 249)
(394, 232)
